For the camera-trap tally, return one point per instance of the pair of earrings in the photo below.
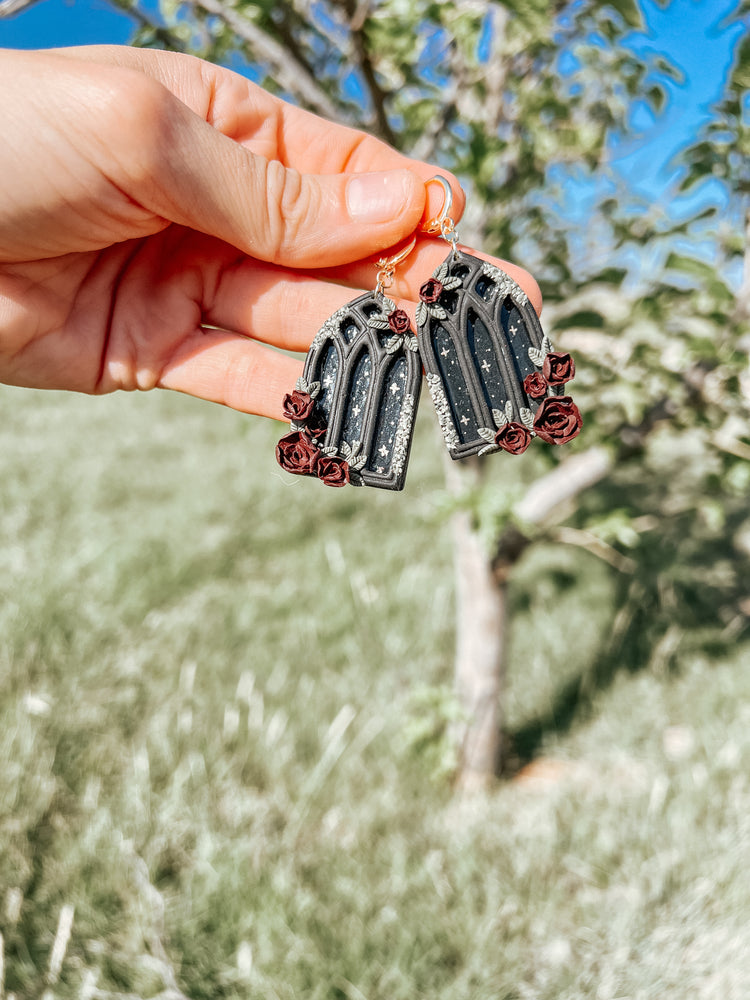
(494, 379)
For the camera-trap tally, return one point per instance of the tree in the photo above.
(521, 100)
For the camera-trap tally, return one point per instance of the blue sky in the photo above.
(691, 33)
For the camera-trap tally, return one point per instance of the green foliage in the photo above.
(203, 707)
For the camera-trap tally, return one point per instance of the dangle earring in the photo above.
(352, 412)
(494, 379)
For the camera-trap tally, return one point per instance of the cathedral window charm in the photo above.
(495, 380)
(352, 412)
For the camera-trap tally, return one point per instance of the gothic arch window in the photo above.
(369, 390)
(476, 356)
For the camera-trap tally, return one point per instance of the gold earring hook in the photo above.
(387, 265)
(442, 220)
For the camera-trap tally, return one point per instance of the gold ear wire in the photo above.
(387, 265)
(437, 225)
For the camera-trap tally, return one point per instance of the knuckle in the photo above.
(291, 203)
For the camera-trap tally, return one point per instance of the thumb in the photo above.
(206, 181)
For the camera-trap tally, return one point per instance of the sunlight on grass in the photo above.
(209, 678)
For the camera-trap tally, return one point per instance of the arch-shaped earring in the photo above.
(352, 412)
(494, 378)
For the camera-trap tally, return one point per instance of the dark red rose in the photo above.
(298, 454)
(333, 471)
(431, 291)
(535, 385)
(315, 427)
(558, 368)
(297, 405)
(513, 437)
(558, 420)
(398, 321)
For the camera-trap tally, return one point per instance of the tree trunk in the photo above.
(480, 639)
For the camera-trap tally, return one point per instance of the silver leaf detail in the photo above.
(488, 449)
(421, 314)
(546, 345)
(499, 417)
(536, 357)
(393, 345)
(410, 343)
(527, 417)
(486, 433)
(313, 390)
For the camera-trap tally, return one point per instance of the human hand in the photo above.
(149, 195)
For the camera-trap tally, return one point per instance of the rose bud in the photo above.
(558, 420)
(297, 405)
(558, 368)
(535, 385)
(431, 291)
(398, 321)
(333, 471)
(513, 438)
(297, 454)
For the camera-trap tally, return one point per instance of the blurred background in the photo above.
(256, 740)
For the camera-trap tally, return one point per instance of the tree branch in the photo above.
(9, 8)
(291, 75)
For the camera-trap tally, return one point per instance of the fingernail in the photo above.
(378, 197)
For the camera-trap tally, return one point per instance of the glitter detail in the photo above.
(331, 328)
(443, 410)
(504, 284)
(403, 435)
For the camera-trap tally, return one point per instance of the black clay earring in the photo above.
(352, 412)
(494, 379)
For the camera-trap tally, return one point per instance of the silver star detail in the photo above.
(395, 389)
(464, 420)
(485, 366)
(445, 352)
(356, 411)
(513, 329)
(382, 450)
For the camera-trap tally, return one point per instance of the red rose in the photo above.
(535, 385)
(431, 291)
(558, 420)
(398, 321)
(558, 368)
(297, 405)
(315, 427)
(297, 454)
(513, 438)
(332, 471)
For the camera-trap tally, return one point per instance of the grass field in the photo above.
(222, 700)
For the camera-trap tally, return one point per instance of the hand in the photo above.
(147, 195)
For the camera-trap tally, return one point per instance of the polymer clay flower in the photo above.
(513, 438)
(558, 420)
(535, 385)
(298, 405)
(332, 471)
(558, 368)
(431, 291)
(298, 454)
(398, 321)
